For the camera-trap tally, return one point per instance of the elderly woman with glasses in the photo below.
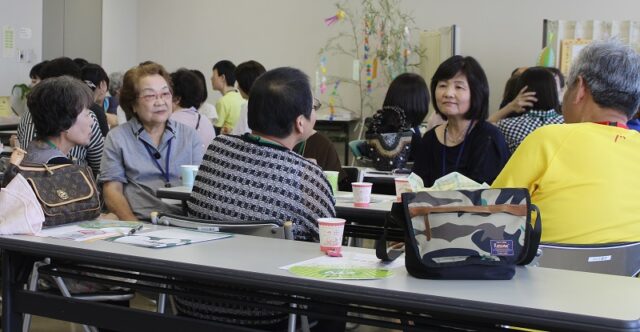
(146, 153)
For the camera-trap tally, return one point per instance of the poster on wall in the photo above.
(8, 41)
(569, 50)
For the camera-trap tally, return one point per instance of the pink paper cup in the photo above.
(402, 186)
(331, 230)
(361, 193)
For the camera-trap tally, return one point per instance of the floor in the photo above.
(41, 324)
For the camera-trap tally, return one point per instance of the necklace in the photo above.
(444, 150)
(459, 138)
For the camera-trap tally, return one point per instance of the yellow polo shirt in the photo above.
(228, 108)
(584, 177)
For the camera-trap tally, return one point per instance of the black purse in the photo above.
(388, 150)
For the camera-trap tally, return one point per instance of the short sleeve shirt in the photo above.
(127, 160)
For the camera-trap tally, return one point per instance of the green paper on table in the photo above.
(351, 266)
(342, 273)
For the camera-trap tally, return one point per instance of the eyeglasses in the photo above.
(316, 104)
(151, 97)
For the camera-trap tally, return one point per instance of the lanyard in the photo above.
(444, 150)
(156, 156)
(614, 124)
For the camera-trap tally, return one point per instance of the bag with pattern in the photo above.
(66, 192)
(469, 234)
(389, 150)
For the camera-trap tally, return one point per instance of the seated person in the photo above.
(187, 96)
(60, 114)
(467, 143)
(223, 80)
(543, 111)
(582, 174)
(320, 149)
(96, 78)
(86, 155)
(206, 109)
(246, 74)
(146, 152)
(256, 176)
(409, 92)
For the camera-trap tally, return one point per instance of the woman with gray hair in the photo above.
(112, 102)
(582, 174)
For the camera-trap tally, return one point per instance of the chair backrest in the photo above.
(263, 228)
(356, 147)
(618, 259)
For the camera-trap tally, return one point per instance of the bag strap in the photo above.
(381, 242)
(533, 241)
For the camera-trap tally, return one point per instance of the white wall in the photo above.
(119, 34)
(500, 34)
(20, 14)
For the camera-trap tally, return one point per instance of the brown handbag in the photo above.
(66, 192)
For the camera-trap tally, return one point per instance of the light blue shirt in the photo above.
(125, 159)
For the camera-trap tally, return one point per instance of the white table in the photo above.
(374, 214)
(536, 297)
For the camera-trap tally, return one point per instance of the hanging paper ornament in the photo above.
(547, 57)
(339, 16)
(323, 70)
(332, 101)
(368, 63)
(407, 47)
(375, 69)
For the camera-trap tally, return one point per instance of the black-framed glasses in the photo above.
(316, 104)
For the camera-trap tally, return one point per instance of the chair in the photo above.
(263, 228)
(115, 296)
(353, 175)
(357, 148)
(616, 258)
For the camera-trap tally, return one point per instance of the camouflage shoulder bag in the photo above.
(469, 234)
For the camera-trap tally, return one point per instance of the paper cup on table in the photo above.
(332, 176)
(402, 186)
(331, 230)
(361, 193)
(188, 173)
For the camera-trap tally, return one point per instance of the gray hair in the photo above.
(115, 82)
(611, 70)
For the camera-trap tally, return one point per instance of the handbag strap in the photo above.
(381, 243)
(533, 240)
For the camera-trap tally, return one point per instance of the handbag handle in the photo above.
(379, 116)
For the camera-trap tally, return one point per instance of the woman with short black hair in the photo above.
(59, 109)
(467, 143)
(543, 111)
(187, 97)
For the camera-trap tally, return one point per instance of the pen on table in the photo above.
(135, 229)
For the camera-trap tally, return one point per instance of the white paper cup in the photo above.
(188, 174)
(361, 193)
(402, 186)
(331, 230)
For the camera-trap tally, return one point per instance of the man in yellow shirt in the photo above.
(228, 106)
(583, 174)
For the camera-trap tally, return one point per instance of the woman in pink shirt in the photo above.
(187, 96)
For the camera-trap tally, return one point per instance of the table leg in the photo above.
(11, 320)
